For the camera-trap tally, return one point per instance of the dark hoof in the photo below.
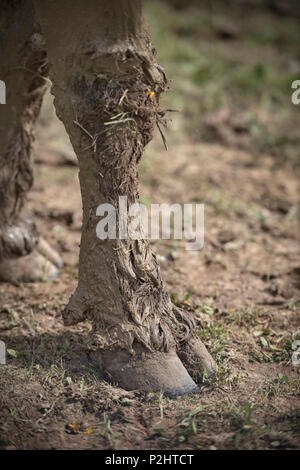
(197, 359)
(146, 371)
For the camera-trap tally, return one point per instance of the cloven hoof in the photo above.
(145, 371)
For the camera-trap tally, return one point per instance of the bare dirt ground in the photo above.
(243, 288)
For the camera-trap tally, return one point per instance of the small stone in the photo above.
(275, 443)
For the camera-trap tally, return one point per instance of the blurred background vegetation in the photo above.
(234, 146)
(231, 65)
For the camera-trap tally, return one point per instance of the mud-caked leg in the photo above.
(107, 85)
(23, 69)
